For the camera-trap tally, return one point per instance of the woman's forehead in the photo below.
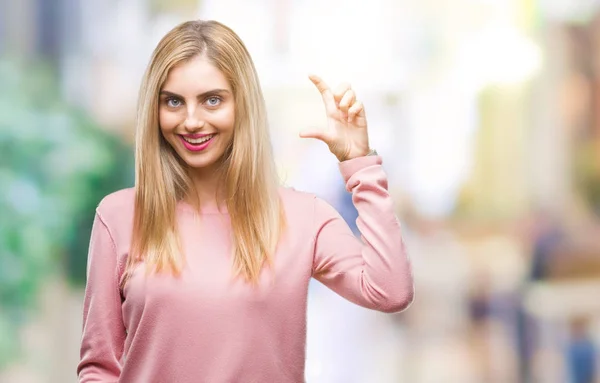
(197, 75)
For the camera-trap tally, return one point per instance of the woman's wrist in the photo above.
(370, 152)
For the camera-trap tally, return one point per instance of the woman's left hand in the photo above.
(346, 131)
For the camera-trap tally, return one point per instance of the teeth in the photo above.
(197, 141)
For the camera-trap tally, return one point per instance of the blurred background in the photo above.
(487, 115)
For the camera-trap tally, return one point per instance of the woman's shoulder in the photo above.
(296, 201)
(291, 195)
(117, 205)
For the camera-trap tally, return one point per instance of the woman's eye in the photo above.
(173, 103)
(213, 101)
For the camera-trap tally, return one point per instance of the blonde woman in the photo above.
(200, 272)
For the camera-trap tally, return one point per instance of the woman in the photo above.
(200, 273)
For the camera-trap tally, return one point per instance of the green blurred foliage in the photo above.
(587, 173)
(56, 164)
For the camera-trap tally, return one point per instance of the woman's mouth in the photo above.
(198, 143)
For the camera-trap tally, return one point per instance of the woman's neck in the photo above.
(208, 190)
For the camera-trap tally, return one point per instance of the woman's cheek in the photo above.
(168, 121)
(225, 118)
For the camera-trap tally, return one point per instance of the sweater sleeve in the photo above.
(103, 329)
(374, 273)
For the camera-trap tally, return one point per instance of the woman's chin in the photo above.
(202, 164)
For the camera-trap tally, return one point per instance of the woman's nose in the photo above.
(192, 121)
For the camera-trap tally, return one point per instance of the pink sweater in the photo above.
(205, 327)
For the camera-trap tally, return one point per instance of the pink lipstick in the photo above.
(197, 142)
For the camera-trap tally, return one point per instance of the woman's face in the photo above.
(196, 113)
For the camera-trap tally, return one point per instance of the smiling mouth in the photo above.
(199, 140)
(197, 144)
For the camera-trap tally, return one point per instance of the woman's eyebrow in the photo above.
(213, 91)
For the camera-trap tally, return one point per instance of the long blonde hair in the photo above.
(250, 176)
